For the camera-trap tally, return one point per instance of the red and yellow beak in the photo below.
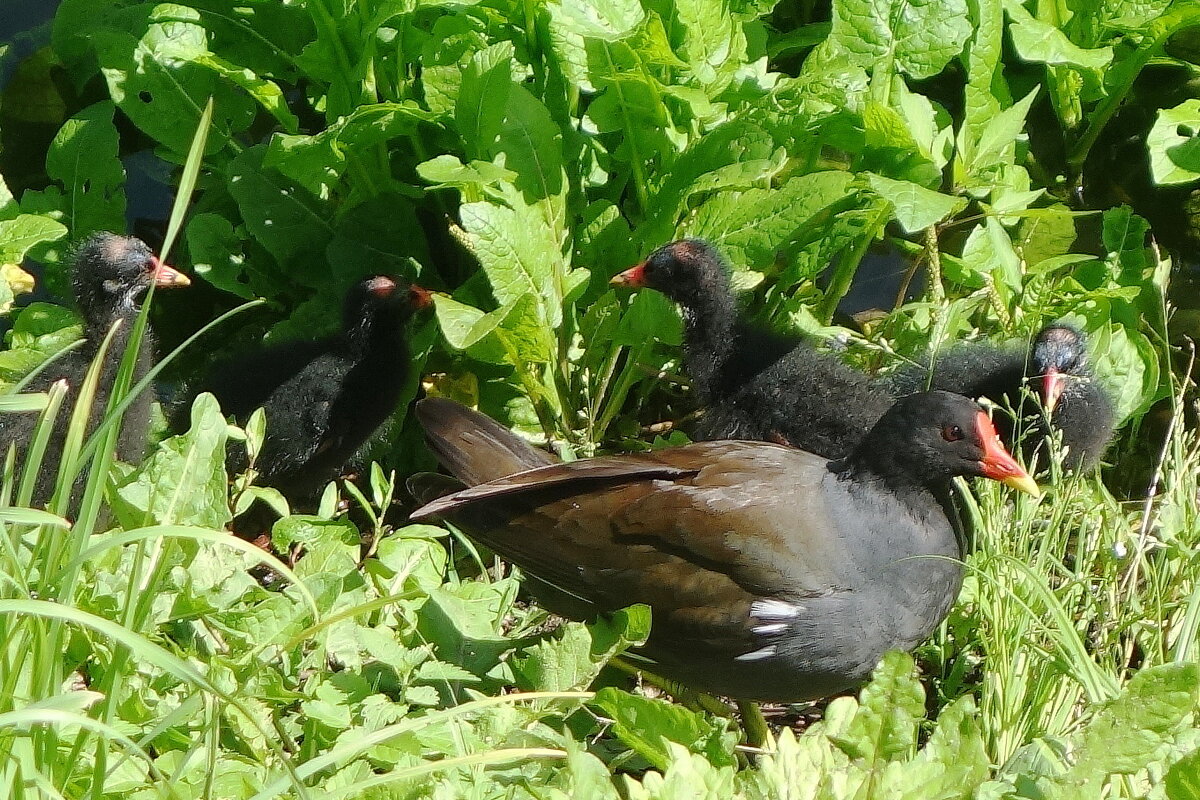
(1052, 389)
(997, 463)
(634, 277)
(166, 276)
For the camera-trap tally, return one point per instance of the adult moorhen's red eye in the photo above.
(754, 558)
(755, 383)
(952, 433)
(322, 399)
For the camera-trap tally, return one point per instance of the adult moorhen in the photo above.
(772, 573)
(1056, 365)
(109, 275)
(322, 399)
(754, 383)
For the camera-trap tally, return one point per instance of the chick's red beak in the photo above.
(634, 277)
(166, 276)
(997, 463)
(1052, 388)
(419, 296)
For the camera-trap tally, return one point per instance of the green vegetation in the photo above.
(515, 155)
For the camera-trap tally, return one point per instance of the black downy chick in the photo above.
(756, 384)
(1056, 367)
(323, 399)
(109, 276)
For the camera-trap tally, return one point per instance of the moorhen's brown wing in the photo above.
(768, 575)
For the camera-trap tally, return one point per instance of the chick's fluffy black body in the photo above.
(756, 384)
(322, 399)
(109, 276)
(1083, 410)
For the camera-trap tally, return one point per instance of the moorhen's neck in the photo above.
(100, 311)
(885, 456)
(710, 328)
(381, 330)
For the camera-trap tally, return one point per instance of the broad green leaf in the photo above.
(483, 98)
(266, 92)
(915, 207)
(1039, 41)
(519, 252)
(1183, 778)
(284, 219)
(750, 227)
(183, 481)
(986, 91)
(713, 43)
(25, 231)
(577, 652)
(217, 255)
(157, 80)
(83, 159)
(1174, 146)
(996, 142)
(885, 727)
(919, 38)
(531, 145)
(989, 251)
(8, 204)
(650, 726)
(1133, 730)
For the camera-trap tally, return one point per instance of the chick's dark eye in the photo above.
(952, 433)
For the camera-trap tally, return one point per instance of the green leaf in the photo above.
(158, 82)
(519, 252)
(1182, 781)
(8, 204)
(915, 207)
(217, 256)
(1134, 729)
(989, 251)
(480, 108)
(1174, 146)
(649, 726)
(1039, 41)
(919, 38)
(750, 227)
(183, 481)
(885, 727)
(24, 232)
(83, 159)
(531, 145)
(577, 652)
(282, 218)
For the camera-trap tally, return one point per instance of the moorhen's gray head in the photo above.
(931, 437)
(378, 303)
(110, 273)
(1059, 357)
(687, 271)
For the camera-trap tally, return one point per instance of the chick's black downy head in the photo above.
(381, 301)
(1059, 358)
(686, 270)
(1062, 348)
(110, 273)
